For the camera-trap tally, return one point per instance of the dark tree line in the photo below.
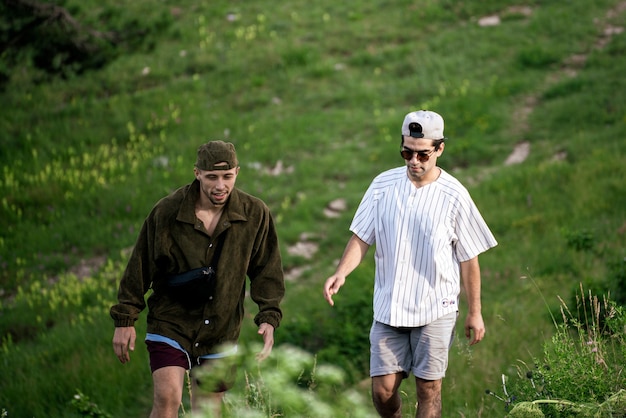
(48, 36)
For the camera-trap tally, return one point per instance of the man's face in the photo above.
(423, 157)
(216, 185)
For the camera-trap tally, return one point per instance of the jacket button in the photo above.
(206, 321)
(197, 344)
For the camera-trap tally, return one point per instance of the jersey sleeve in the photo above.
(474, 236)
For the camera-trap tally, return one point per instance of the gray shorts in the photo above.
(421, 350)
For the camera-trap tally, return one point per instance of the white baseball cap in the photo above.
(423, 124)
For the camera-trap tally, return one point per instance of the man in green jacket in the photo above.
(194, 251)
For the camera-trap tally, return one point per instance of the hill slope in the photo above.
(313, 95)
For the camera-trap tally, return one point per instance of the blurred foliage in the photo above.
(47, 36)
(293, 383)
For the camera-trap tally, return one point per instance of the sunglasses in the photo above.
(422, 156)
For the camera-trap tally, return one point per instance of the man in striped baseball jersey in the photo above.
(428, 234)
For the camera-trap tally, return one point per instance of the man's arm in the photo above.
(265, 270)
(352, 257)
(470, 274)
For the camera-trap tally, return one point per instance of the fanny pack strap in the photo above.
(195, 274)
(189, 276)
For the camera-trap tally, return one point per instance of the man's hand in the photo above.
(474, 322)
(267, 331)
(352, 256)
(332, 286)
(123, 341)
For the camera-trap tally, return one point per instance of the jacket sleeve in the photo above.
(137, 279)
(267, 286)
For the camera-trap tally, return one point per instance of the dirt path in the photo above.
(569, 68)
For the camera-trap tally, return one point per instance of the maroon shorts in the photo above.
(218, 373)
(163, 354)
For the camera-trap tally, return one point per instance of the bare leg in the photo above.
(168, 391)
(385, 395)
(428, 398)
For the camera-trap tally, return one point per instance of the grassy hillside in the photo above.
(313, 95)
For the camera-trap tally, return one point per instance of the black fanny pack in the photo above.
(192, 287)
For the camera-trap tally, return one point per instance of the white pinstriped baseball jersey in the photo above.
(421, 236)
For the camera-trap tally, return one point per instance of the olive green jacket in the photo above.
(173, 241)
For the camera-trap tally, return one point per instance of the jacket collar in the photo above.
(233, 212)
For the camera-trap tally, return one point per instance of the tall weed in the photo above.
(582, 370)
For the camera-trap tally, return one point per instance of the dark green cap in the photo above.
(216, 152)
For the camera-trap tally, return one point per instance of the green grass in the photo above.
(321, 87)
